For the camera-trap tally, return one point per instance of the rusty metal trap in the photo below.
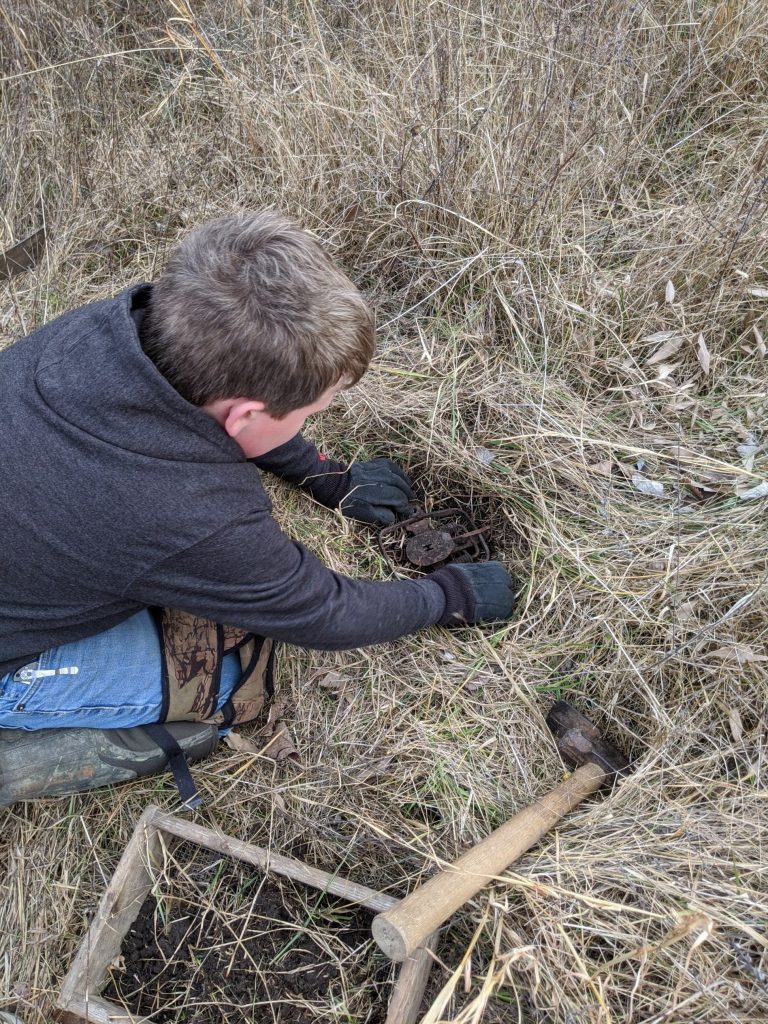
(425, 541)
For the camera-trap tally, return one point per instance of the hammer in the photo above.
(405, 927)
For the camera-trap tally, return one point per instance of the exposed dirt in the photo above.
(225, 943)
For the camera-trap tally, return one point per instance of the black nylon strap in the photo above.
(269, 675)
(157, 618)
(177, 762)
(228, 708)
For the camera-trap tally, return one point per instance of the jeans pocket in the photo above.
(19, 687)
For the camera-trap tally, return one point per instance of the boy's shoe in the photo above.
(51, 762)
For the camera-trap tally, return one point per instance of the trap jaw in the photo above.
(429, 540)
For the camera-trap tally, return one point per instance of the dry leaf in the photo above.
(669, 341)
(687, 924)
(480, 679)
(665, 370)
(742, 654)
(279, 802)
(680, 403)
(700, 491)
(761, 491)
(714, 478)
(746, 451)
(760, 340)
(658, 338)
(277, 746)
(374, 769)
(468, 975)
(235, 741)
(737, 729)
(702, 353)
(332, 680)
(604, 468)
(335, 683)
(686, 612)
(759, 293)
(669, 292)
(604, 288)
(645, 486)
(707, 927)
(280, 745)
(273, 740)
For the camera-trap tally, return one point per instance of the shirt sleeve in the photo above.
(252, 575)
(299, 462)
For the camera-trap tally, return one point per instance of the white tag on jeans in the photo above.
(29, 674)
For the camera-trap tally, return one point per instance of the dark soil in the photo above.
(221, 942)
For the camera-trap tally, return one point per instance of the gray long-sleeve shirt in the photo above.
(117, 494)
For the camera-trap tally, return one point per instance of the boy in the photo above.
(133, 431)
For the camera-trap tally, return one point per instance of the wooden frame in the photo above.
(132, 881)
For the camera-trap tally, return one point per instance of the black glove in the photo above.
(377, 491)
(475, 592)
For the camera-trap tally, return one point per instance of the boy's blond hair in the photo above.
(253, 307)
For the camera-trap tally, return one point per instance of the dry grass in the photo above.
(515, 185)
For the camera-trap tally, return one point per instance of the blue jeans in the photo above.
(108, 681)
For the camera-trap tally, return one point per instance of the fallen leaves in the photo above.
(696, 923)
(373, 769)
(690, 924)
(331, 680)
(752, 493)
(273, 740)
(665, 370)
(737, 727)
(335, 682)
(748, 450)
(760, 340)
(669, 343)
(479, 679)
(645, 486)
(742, 654)
(702, 354)
(603, 468)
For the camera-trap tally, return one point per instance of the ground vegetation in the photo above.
(559, 213)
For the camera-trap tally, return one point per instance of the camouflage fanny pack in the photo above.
(193, 649)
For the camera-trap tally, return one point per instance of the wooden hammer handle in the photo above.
(405, 927)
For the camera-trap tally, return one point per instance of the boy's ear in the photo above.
(239, 413)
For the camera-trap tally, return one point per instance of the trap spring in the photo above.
(427, 540)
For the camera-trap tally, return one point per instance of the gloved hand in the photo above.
(475, 592)
(378, 490)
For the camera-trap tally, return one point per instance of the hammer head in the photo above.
(579, 741)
